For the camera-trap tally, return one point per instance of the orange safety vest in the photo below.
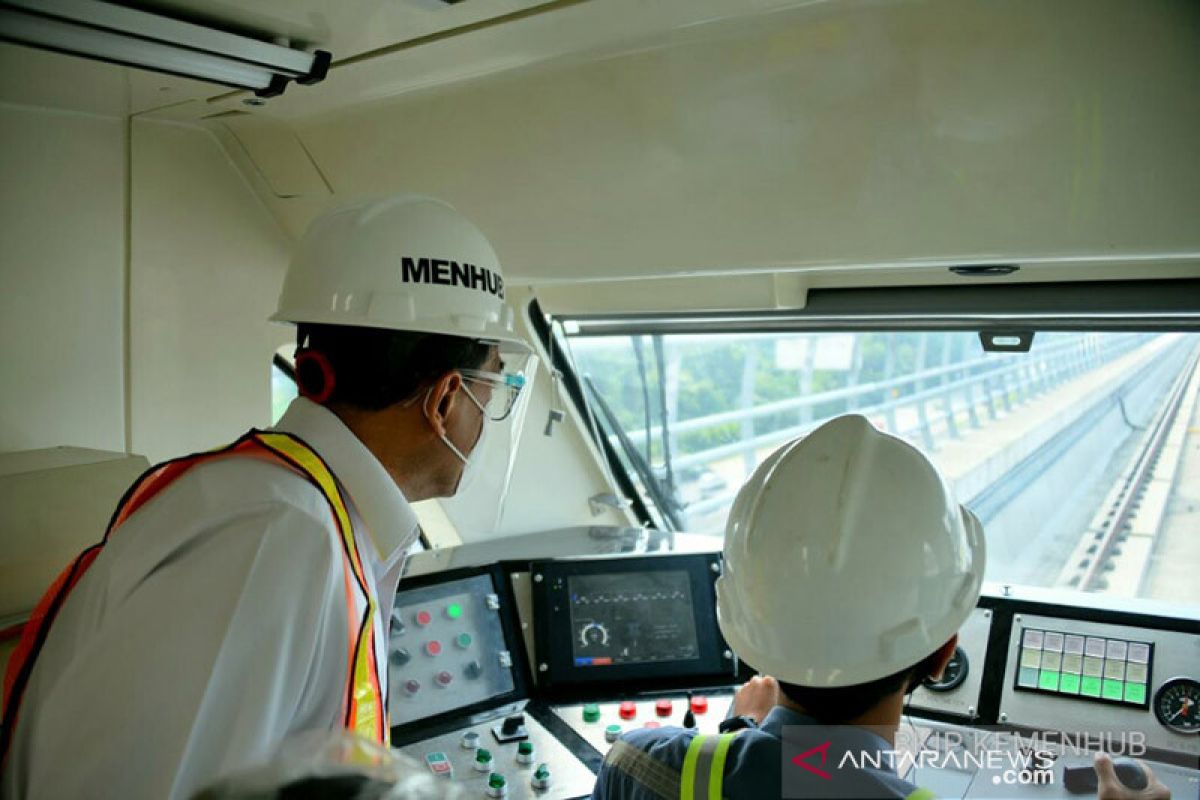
(365, 713)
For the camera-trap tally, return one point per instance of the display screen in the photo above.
(632, 618)
(1089, 667)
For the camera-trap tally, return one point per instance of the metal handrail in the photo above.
(792, 404)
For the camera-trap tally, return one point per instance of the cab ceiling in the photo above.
(732, 148)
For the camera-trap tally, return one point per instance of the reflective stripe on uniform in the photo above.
(921, 794)
(704, 767)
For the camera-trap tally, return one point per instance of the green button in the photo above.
(482, 755)
(1113, 690)
(1090, 687)
(463, 640)
(1048, 680)
(1135, 693)
(542, 772)
(1028, 678)
(1069, 684)
(591, 713)
(525, 748)
(496, 781)
(454, 611)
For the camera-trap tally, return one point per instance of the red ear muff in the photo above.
(314, 376)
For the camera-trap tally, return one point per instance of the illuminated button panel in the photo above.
(601, 724)
(1096, 668)
(446, 648)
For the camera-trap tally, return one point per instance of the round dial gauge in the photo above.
(1177, 705)
(954, 674)
(593, 633)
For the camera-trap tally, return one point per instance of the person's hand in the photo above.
(1111, 788)
(756, 698)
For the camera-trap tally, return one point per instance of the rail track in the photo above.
(1123, 531)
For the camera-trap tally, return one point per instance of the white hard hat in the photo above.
(405, 262)
(847, 559)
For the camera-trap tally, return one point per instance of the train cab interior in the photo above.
(721, 223)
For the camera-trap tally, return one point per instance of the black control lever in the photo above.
(511, 730)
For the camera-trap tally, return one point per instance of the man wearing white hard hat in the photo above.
(848, 569)
(243, 595)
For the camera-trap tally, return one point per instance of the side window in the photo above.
(283, 383)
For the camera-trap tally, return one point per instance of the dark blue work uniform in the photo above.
(677, 763)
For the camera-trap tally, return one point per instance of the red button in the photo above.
(628, 710)
(651, 724)
(433, 648)
(412, 686)
(424, 618)
(699, 704)
(444, 678)
(663, 708)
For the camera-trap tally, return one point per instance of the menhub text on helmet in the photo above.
(451, 273)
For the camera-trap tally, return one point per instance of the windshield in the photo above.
(1081, 456)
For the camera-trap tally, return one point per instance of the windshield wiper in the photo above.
(661, 498)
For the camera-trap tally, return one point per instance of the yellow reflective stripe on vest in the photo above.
(365, 714)
(704, 767)
(921, 794)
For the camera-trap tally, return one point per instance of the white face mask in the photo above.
(471, 460)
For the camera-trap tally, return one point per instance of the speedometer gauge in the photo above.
(1177, 705)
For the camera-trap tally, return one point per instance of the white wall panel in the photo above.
(207, 264)
(62, 260)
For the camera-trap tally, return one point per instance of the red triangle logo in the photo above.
(823, 749)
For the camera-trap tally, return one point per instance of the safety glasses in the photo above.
(506, 390)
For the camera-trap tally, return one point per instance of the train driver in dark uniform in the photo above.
(849, 567)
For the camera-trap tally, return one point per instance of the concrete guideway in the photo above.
(1113, 552)
(1172, 568)
(1047, 484)
(983, 456)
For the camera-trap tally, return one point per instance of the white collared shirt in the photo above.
(385, 525)
(211, 627)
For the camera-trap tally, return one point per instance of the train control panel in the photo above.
(513, 672)
(459, 689)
